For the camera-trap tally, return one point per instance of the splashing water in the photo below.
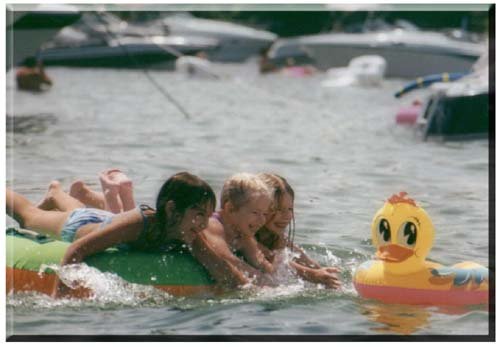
(108, 290)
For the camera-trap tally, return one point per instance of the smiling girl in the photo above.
(245, 202)
(183, 207)
(272, 236)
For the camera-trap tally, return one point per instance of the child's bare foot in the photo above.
(48, 202)
(80, 191)
(110, 182)
(113, 177)
(127, 194)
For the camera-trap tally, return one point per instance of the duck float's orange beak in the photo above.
(394, 253)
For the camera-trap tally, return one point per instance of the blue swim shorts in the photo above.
(81, 217)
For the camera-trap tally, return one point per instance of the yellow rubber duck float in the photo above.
(403, 235)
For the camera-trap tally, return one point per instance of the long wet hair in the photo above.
(280, 187)
(186, 191)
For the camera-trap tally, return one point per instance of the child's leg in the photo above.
(80, 191)
(57, 199)
(111, 190)
(127, 194)
(31, 217)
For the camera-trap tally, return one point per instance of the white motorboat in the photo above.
(236, 42)
(127, 52)
(366, 70)
(409, 53)
(104, 40)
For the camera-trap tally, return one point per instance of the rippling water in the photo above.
(339, 148)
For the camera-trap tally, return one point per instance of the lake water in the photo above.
(339, 148)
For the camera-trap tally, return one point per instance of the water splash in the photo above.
(108, 290)
(111, 291)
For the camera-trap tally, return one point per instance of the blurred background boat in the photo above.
(28, 28)
(101, 39)
(459, 110)
(365, 70)
(236, 42)
(408, 51)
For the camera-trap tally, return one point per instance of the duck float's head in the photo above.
(403, 234)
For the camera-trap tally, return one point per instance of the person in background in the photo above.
(294, 69)
(265, 64)
(31, 76)
(272, 236)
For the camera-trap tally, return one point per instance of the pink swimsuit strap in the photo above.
(217, 216)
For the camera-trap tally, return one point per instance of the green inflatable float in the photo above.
(175, 272)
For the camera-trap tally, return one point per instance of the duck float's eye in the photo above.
(407, 234)
(384, 231)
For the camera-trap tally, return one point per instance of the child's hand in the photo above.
(326, 276)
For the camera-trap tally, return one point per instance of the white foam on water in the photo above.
(107, 289)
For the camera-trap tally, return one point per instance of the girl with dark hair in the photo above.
(272, 236)
(184, 204)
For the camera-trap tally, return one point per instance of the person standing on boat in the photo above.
(31, 76)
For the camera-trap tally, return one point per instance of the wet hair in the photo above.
(186, 191)
(241, 188)
(279, 187)
(30, 62)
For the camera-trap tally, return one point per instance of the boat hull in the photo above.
(457, 117)
(408, 54)
(122, 55)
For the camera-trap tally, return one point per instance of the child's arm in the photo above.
(124, 227)
(304, 260)
(270, 256)
(211, 253)
(326, 275)
(255, 256)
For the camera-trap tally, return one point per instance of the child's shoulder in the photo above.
(215, 227)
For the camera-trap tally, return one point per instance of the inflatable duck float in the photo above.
(403, 235)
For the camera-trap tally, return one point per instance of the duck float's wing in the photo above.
(462, 276)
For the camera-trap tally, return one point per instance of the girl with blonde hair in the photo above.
(245, 202)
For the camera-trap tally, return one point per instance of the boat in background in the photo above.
(236, 42)
(29, 26)
(128, 52)
(409, 52)
(366, 71)
(101, 39)
(459, 110)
